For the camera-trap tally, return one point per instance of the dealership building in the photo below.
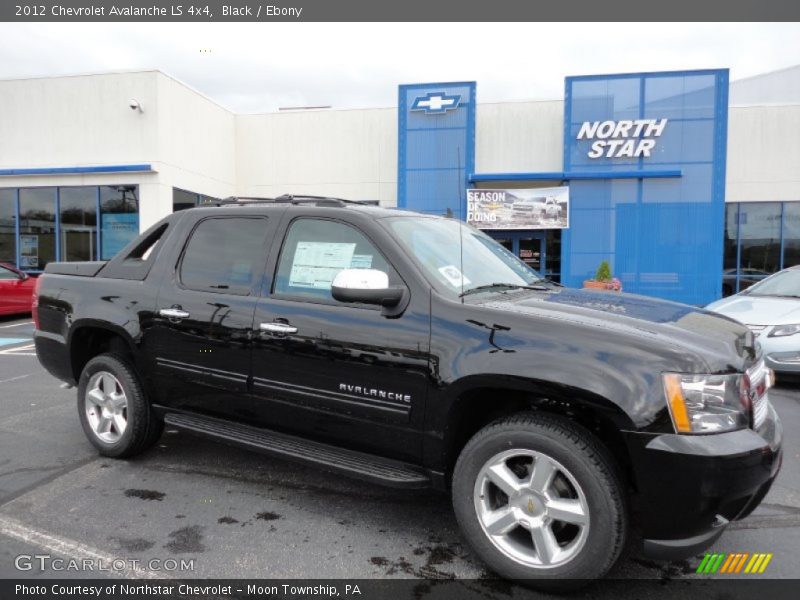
(688, 184)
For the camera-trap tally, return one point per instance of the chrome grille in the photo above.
(759, 385)
(760, 411)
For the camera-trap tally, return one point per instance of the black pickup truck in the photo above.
(414, 351)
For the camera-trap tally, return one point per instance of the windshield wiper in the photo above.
(508, 286)
(550, 281)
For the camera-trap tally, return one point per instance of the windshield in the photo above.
(437, 246)
(786, 284)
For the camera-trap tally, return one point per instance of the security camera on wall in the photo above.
(134, 104)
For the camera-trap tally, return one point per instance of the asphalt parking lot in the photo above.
(243, 515)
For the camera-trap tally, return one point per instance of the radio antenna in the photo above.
(461, 201)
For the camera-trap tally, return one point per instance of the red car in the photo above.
(16, 290)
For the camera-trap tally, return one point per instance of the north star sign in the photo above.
(436, 102)
(622, 139)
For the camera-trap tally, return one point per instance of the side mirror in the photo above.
(367, 286)
(24, 276)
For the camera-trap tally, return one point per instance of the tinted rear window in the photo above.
(223, 253)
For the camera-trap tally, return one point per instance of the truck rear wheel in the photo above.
(540, 501)
(113, 408)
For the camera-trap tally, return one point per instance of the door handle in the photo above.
(173, 313)
(277, 327)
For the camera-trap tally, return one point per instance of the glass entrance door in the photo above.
(541, 250)
(531, 251)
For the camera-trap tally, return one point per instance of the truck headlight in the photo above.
(784, 330)
(707, 403)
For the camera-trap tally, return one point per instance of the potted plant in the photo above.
(603, 279)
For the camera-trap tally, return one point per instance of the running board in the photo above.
(379, 470)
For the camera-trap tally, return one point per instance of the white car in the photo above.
(771, 309)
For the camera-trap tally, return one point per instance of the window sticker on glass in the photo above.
(317, 263)
(454, 276)
(361, 261)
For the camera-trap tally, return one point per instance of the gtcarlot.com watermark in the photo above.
(46, 562)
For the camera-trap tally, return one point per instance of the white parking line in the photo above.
(18, 351)
(16, 324)
(15, 378)
(70, 549)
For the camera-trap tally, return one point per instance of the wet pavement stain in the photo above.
(145, 494)
(133, 544)
(667, 571)
(186, 540)
(267, 516)
(401, 565)
(226, 520)
(439, 555)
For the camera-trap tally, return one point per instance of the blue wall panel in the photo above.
(436, 148)
(662, 236)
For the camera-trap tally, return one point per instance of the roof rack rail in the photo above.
(290, 199)
(318, 200)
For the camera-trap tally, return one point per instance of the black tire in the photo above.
(143, 425)
(588, 462)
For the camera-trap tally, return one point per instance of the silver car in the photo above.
(771, 309)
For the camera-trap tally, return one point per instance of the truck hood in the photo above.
(759, 310)
(720, 343)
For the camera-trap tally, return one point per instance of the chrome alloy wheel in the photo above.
(531, 508)
(106, 407)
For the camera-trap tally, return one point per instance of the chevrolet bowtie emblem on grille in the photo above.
(436, 102)
(530, 505)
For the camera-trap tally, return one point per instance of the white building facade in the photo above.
(88, 161)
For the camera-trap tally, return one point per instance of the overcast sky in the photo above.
(256, 67)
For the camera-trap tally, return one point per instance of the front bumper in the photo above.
(688, 487)
(781, 354)
(783, 362)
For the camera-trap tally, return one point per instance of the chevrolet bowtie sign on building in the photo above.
(436, 102)
(436, 146)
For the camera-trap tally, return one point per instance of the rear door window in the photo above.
(223, 254)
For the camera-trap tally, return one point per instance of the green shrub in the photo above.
(603, 272)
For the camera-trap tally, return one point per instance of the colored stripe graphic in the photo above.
(718, 563)
(757, 566)
(742, 561)
(767, 558)
(752, 563)
(721, 562)
(728, 563)
(702, 567)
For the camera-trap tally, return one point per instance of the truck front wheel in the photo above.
(540, 501)
(113, 408)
